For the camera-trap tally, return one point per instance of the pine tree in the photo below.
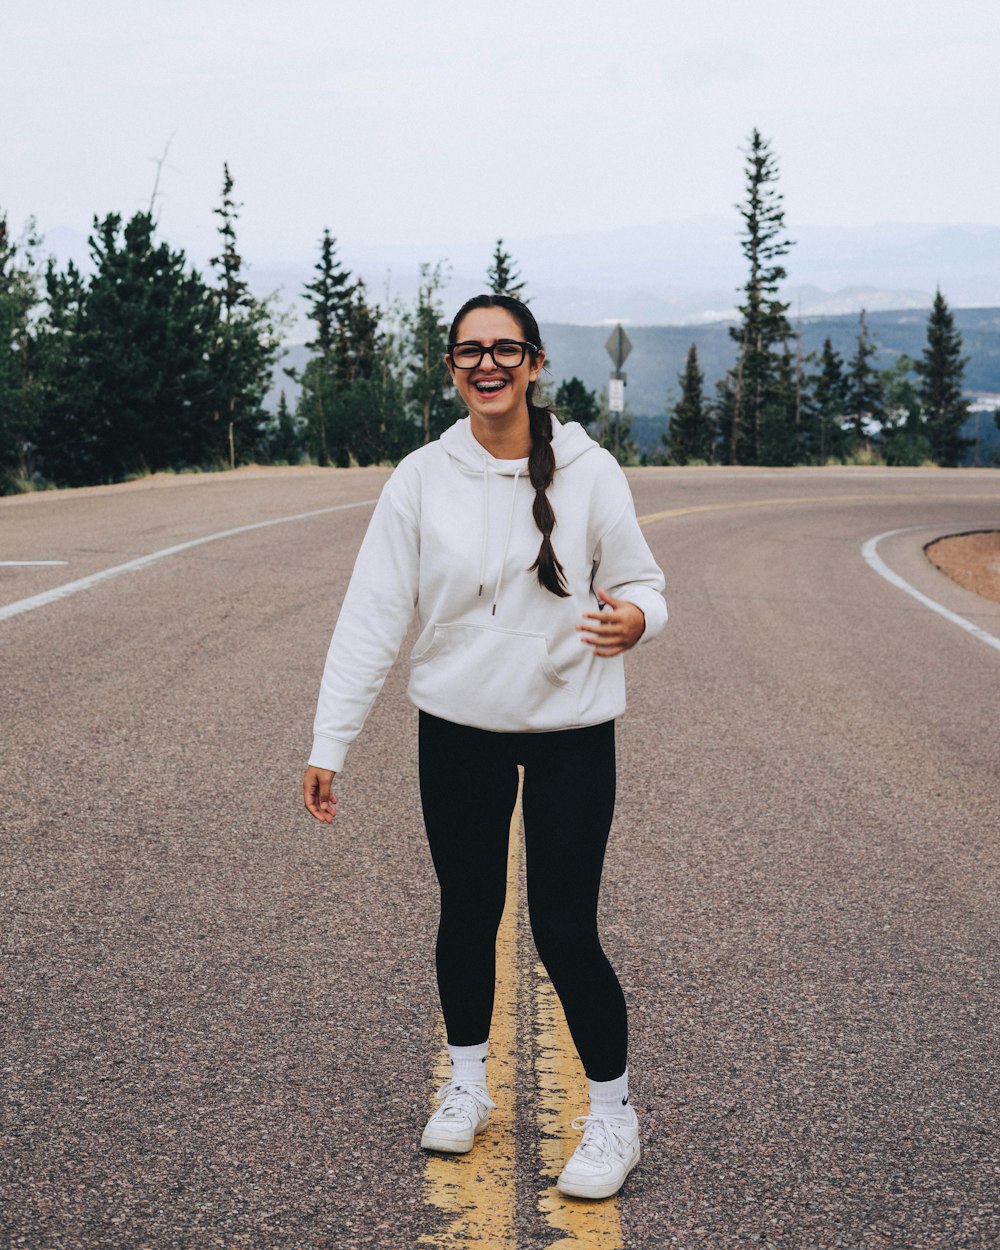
(941, 369)
(329, 296)
(229, 263)
(574, 402)
(778, 437)
(245, 346)
(903, 439)
(20, 387)
(691, 430)
(282, 437)
(66, 443)
(333, 299)
(503, 279)
(129, 384)
(864, 396)
(829, 394)
(756, 379)
(358, 345)
(432, 399)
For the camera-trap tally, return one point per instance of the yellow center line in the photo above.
(906, 497)
(478, 1190)
(563, 1093)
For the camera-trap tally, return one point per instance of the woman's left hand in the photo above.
(615, 629)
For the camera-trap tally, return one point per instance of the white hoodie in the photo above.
(453, 536)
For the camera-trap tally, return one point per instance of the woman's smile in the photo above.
(490, 386)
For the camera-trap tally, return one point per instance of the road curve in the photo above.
(219, 1022)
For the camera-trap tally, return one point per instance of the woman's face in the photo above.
(494, 393)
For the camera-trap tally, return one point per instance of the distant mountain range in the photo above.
(659, 352)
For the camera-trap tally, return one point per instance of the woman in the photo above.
(518, 662)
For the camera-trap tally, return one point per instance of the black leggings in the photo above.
(468, 787)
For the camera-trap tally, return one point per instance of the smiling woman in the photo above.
(518, 664)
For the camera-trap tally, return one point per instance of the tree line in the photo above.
(777, 406)
(144, 364)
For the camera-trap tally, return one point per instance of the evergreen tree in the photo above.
(244, 348)
(282, 437)
(574, 402)
(66, 443)
(778, 436)
(941, 369)
(129, 385)
(20, 388)
(725, 416)
(613, 432)
(329, 296)
(335, 302)
(229, 263)
(502, 277)
(358, 345)
(757, 382)
(903, 439)
(829, 396)
(432, 398)
(326, 442)
(691, 431)
(808, 419)
(864, 395)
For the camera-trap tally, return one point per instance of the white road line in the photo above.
(870, 553)
(29, 564)
(130, 566)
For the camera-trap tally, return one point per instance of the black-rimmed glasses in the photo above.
(505, 354)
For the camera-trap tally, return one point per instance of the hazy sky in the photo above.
(405, 122)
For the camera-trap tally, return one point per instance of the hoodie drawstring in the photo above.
(506, 541)
(486, 527)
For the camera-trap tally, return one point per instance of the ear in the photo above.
(536, 367)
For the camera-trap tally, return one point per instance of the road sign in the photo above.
(616, 395)
(618, 346)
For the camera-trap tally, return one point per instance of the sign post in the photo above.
(618, 348)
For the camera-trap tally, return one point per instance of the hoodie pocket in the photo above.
(491, 678)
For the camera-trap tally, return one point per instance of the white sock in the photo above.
(610, 1098)
(468, 1063)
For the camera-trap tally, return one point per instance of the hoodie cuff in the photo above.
(328, 753)
(652, 605)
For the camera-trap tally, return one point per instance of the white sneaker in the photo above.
(608, 1152)
(464, 1112)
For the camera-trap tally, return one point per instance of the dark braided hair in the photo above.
(542, 460)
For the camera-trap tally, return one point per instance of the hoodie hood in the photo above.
(569, 442)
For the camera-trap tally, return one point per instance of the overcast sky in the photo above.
(424, 123)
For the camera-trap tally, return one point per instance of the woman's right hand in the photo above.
(319, 800)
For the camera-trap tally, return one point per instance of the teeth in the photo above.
(490, 386)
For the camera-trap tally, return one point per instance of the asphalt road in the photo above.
(218, 1021)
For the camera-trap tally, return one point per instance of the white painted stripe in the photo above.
(29, 564)
(870, 553)
(131, 566)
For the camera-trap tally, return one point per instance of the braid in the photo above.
(541, 469)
